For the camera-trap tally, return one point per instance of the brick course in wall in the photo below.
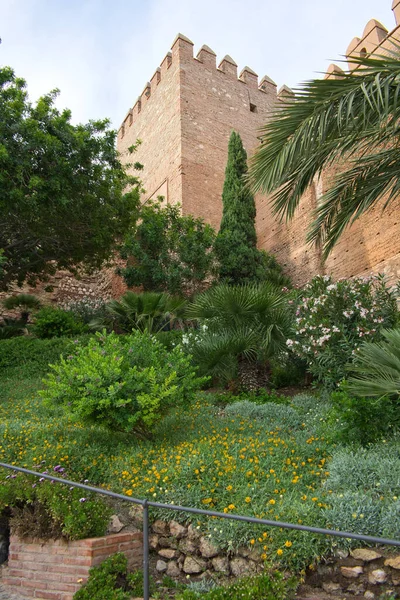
(56, 570)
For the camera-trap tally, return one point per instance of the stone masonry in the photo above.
(184, 118)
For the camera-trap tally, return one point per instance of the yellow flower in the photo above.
(279, 552)
(231, 506)
(272, 501)
(252, 542)
(207, 500)
(288, 543)
(229, 488)
(247, 499)
(129, 492)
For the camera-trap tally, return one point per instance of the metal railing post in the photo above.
(146, 577)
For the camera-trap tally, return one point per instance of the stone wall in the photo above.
(55, 570)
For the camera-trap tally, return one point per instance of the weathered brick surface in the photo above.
(55, 570)
(185, 125)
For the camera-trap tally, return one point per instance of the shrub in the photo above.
(25, 302)
(54, 322)
(109, 581)
(364, 487)
(46, 510)
(124, 383)
(334, 318)
(263, 587)
(34, 355)
(86, 309)
(361, 420)
(270, 414)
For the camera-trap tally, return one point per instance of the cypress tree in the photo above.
(236, 242)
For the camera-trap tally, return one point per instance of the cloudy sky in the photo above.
(100, 53)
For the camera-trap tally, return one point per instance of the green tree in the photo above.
(353, 120)
(62, 200)
(236, 243)
(168, 252)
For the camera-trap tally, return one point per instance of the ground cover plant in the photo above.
(272, 460)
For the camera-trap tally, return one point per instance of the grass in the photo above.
(207, 457)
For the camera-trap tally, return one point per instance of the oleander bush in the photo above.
(334, 318)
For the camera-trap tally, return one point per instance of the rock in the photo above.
(377, 576)
(341, 553)
(393, 562)
(193, 565)
(193, 533)
(369, 595)
(243, 551)
(160, 527)
(115, 524)
(161, 566)
(187, 546)
(168, 553)
(351, 572)
(365, 554)
(177, 530)
(153, 541)
(330, 587)
(220, 564)
(173, 569)
(206, 575)
(136, 513)
(207, 548)
(240, 566)
(255, 555)
(396, 578)
(355, 588)
(165, 542)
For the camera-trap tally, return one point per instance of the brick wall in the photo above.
(55, 570)
(185, 119)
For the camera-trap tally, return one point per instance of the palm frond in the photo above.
(376, 370)
(330, 120)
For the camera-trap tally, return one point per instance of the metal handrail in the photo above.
(197, 511)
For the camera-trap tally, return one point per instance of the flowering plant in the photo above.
(332, 318)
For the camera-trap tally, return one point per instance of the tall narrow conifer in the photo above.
(235, 246)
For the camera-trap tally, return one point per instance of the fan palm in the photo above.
(377, 368)
(25, 302)
(352, 119)
(148, 311)
(242, 327)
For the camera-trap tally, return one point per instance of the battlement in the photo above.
(375, 39)
(182, 52)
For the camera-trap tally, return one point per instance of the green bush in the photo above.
(361, 420)
(53, 322)
(333, 319)
(124, 383)
(34, 355)
(43, 509)
(263, 587)
(107, 581)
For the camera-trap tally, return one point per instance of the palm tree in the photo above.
(354, 119)
(376, 369)
(243, 326)
(147, 311)
(25, 302)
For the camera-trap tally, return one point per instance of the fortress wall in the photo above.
(155, 120)
(214, 101)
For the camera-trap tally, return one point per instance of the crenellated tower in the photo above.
(184, 118)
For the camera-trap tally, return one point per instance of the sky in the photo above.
(101, 53)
